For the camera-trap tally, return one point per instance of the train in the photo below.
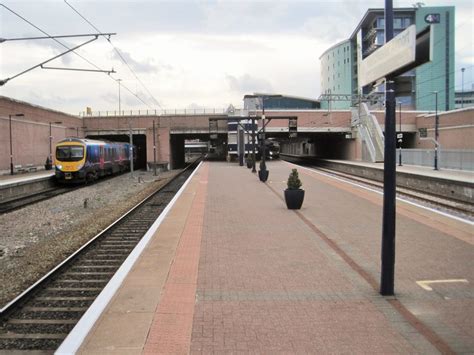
(84, 160)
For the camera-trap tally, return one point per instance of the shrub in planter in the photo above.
(263, 172)
(249, 161)
(294, 195)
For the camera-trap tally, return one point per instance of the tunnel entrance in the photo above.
(139, 141)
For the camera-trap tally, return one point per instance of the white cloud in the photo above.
(188, 53)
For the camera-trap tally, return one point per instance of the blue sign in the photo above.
(433, 18)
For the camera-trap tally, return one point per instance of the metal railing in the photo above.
(370, 131)
(164, 112)
(456, 159)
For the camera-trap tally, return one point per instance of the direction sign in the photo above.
(398, 52)
(399, 135)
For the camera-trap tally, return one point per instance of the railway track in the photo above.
(451, 206)
(23, 201)
(42, 317)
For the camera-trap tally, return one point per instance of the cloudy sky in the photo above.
(186, 53)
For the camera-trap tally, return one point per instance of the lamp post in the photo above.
(462, 88)
(263, 168)
(436, 131)
(253, 145)
(11, 141)
(401, 135)
(154, 150)
(50, 162)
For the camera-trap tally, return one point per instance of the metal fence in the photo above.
(165, 112)
(457, 159)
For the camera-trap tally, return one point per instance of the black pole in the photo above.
(154, 149)
(253, 146)
(436, 132)
(388, 224)
(11, 145)
(263, 166)
(401, 137)
(50, 143)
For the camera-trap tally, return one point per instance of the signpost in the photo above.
(406, 51)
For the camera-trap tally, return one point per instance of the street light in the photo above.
(401, 136)
(436, 131)
(462, 88)
(50, 161)
(11, 142)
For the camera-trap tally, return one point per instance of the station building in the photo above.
(414, 89)
(280, 102)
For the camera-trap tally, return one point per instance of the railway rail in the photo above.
(41, 318)
(23, 201)
(447, 205)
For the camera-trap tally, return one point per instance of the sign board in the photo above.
(433, 18)
(293, 127)
(423, 132)
(399, 135)
(397, 53)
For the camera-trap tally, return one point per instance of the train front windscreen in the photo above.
(69, 153)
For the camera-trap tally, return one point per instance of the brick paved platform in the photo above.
(231, 270)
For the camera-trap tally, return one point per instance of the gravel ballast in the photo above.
(36, 238)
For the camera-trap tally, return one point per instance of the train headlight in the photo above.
(59, 166)
(80, 166)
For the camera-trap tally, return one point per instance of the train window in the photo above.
(69, 153)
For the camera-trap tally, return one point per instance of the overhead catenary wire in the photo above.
(65, 46)
(117, 51)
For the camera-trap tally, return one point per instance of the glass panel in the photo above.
(69, 153)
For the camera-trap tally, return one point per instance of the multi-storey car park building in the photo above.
(414, 89)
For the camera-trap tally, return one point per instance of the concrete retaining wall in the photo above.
(457, 190)
(25, 188)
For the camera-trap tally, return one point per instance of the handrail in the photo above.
(164, 112)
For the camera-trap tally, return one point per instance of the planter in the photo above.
(263, 175)
(249, 164)
(294, 198)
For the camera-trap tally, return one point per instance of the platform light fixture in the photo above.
(11, 141)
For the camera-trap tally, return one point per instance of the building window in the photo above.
(380, 22)
(397, 22)
(380, 38)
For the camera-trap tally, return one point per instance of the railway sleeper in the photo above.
(79, 276)
(42, 326)
(104, 255)
(114, 249)
(32, 342)
(71, 292)
(94, 268)
(101, 261)
(49, 314)
(62, 303)
(80, 283)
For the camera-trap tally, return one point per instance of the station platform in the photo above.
(227, 268)
(7, 180)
